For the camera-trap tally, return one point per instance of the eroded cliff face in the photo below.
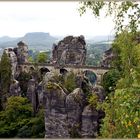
(108, 56)
(13, 60)
(70, 50)
(22, 52)
(69, 115)
(15, 88)
(55, 112)
(89, 127)
(17, 55)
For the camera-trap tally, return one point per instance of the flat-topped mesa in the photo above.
(70, 51)
(22, 52)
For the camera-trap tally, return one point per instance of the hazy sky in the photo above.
(57, 18)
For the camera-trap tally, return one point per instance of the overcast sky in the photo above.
(57, 18)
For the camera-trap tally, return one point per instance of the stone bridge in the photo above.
(99, 71)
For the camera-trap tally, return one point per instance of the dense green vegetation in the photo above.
(110, 79)
(16, 121)
(122, 105)
(42, 57)
(95, 53)
(23, 79)
(5, 78)
(69, 82)
(39, 57)
(122, 108)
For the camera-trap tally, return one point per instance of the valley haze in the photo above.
(43, 40)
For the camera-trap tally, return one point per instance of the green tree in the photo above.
(122, 107)
(120, 10)
(122, 114)
(14, 116)
(129, 56)
(5, 77)
(30, 59)
(42, 57)
(110, 80)
(35, 128)
(17, 120)
(69, 82)
(23, 79)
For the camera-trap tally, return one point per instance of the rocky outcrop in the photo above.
(69, 115)
(17, 56)
(55, 112)
(79, 79)
(75, 103)
(13, 60)
(40, 94)
(32, 94)
(70, 50)
(83, 82)
(107, 58)
(89, 126)
(100, 92)
(15, 88)
(22, 52)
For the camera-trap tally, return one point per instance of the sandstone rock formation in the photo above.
(89, 126)
(15, 88)
(107, 58)
(69, 115)
(75, 103)
(49, 77)
(55, 112)
(13, 59)
(70, 50)
(40, 94)
(66, 114)
(32, 94)
(83, 82)
(17, 56)
(100, 92)
(22, 52)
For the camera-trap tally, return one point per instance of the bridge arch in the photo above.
(44, 70)
(31, 69)
(63, 71)
(91, 76)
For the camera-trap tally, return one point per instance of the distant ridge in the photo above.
(96, 39)
(6, 39)
(44, 41)
(35, 40)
